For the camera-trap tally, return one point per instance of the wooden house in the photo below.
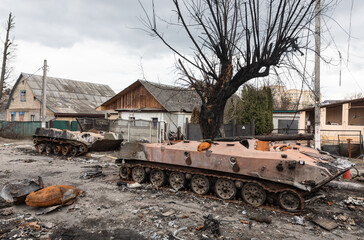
(153, 102)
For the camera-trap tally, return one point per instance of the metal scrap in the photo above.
(92, 172)
(177, 231)
(52, 196)
(211, 224)
(325, 223)
(15, 192)
(262, 218)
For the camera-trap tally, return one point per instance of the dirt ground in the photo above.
(108, 211)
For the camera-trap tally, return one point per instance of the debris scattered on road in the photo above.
(298, 220)
(4, 203)
(314, 198)
(21, 227)
(343, 218)
(177, 231)
(211, 224)
(262, 218)
(168, 213)
(16, 191)
(48, 210)
(244, 222)
(325, 223)
(357, 201)
(92, 172)
(134, 185)
(53, 195)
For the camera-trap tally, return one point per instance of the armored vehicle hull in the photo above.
(258, 172)
(73, 143)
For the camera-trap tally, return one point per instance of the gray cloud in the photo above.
(60, 24)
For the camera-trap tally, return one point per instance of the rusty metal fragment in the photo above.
(52, 196)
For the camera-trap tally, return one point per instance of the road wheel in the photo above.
(253, 194)
(157, 177)
(41, 147)
(48, 149)
(73, 151)
(56, 149)
(177, 180)
(82, 149)
(200, 184)
(289, 200)
(225, 189)
(138, 174)
(65, 150)
(124, 173)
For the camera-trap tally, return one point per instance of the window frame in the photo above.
(23, 93)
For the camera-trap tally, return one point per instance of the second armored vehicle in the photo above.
(55, 141)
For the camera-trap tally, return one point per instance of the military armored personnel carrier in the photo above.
(256, 171)
(73, 143)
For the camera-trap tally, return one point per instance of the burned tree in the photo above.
(233, 42)
(7, 52)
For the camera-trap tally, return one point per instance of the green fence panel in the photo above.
(59, 124)
(18, 129)
(74, 126)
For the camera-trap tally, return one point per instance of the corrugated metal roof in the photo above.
(69, 96)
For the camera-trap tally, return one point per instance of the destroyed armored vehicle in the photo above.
(73, 143)
(259, 172)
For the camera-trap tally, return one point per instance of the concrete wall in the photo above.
(283, 116)
(173, 120)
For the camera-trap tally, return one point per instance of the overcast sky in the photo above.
(101, 41)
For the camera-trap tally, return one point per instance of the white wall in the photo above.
(173, 120)
(283, 116)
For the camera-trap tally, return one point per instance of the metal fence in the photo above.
(18, 129)
(337, 142)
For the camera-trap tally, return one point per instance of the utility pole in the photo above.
(44, 94)
(317, 75)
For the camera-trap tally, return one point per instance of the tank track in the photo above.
(278, 196)
(59, 146)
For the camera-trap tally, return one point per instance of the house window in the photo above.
(356, 114)
(23, 95)
(12, 114)
(334, 115)
(21, 116)
(32, 117)
(155, 122)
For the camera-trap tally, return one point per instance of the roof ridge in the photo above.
(67, 79)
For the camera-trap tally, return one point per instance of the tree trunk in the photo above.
(211, 119)
(9, 26)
